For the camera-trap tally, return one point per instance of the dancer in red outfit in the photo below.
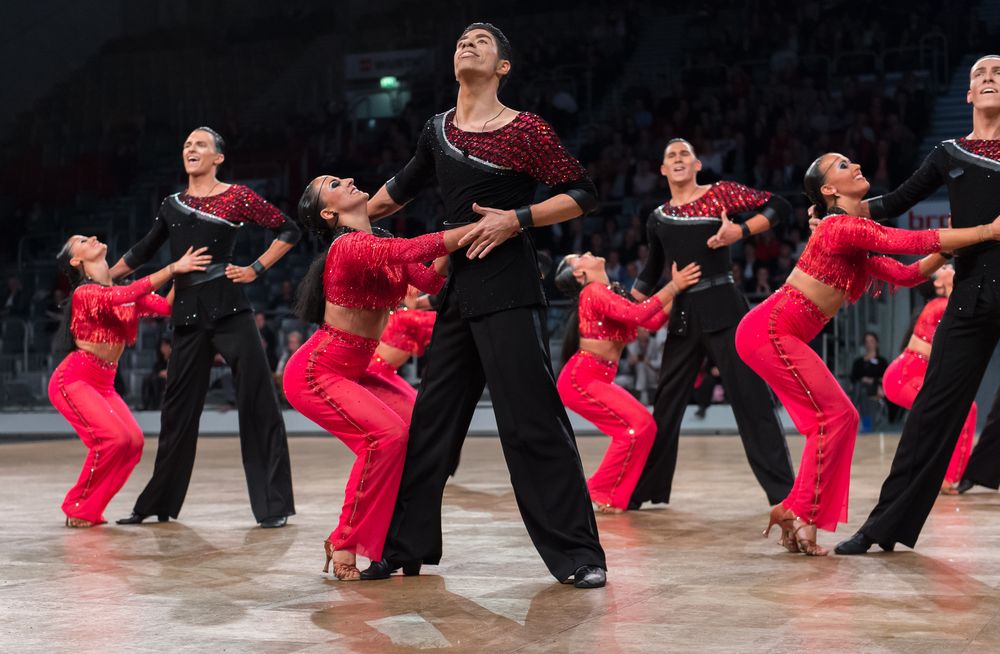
(607, 320)
(350, 291)
(100, 321)
(904, 377)
(835, 269)
(406, 334)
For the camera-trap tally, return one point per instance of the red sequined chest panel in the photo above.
(607, 316)
(722, 196)
(525, 145)
(236, 204)
(364, 271)
(986, 148)
(409, 330)
(929, 318)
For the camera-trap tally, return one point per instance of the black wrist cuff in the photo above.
(524, 217)
(258, 267)
(745, 228)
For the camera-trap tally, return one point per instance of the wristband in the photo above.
(745, 228)
(524, 217)
(258, 267)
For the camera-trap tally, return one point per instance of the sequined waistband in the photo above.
(916, 355)
(800, 298)
(596, 358)
(89, 358)
(347, 338)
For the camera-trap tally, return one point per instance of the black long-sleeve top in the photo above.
(213, 222)
(500, 169)
(971, 170)
(679, 234)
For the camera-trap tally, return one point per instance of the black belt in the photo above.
(709, 282)
(211, 271)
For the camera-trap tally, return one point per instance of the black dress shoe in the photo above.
(589, 576)
(383, 569)
(137, 518)
(856, 544)
(964, 485)
(274, 522)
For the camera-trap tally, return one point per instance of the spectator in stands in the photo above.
(281, 305)
(15, 301)
(154, 383)
(293, 341)
(866, 375)
(267, 339)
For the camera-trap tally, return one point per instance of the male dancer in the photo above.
(488, 160)
(968, 332)
(211, 313)
(693, 226)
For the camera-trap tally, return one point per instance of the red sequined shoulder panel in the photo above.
(409, 330)
(237, 204)
(986, 148)
(722, 196)
(929, 318)
(526, 144)
(364, 271)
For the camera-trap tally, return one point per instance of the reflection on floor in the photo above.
(694, 576)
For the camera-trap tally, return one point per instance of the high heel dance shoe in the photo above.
(785, 520)
(601, 507)
(808, 546)
(79, 523)
(342, 571)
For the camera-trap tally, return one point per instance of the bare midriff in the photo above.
(826, 297)
(394, 356)
(610, 350)
(367, 323)
(109, 352)
(919, 345)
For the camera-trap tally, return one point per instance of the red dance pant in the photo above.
(773, 339)
(321, 382)
(82, 389)
(586, 386)
(902, 381)
(385, 383)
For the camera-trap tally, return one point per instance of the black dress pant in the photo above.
(262, 430)
(508, 351)
(963, 344)
(984, 462)
(753, 405)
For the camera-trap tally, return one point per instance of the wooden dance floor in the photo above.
(694, 576)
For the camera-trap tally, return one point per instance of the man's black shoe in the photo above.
(859, 544)
(589, 576)
(137, 518)
(274, 523)
(964, 486)
(383, 569)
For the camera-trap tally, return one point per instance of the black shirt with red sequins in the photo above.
(970, 168)
(679, 234)
(499, 169)
(212, 222)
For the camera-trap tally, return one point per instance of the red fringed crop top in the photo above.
(929, 318)
(607, 316)
(110, 314)
(364, 271)
(409, 330)
(838, 254)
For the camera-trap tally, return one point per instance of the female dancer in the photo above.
(406, 334)
(349, 290)
(100, 320)
(773, 338)
(904, 377)
(606, 320)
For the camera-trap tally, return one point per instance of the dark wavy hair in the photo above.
(63, 342)
(570, 286)
(812, 183)
(310, 300)
(504, 51)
